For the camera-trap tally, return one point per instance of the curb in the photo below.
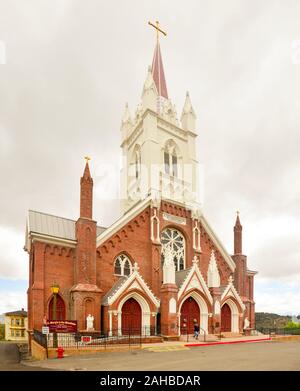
(227, 343)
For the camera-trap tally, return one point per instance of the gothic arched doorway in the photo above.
(131, 317)
(60, 309)
(190, 313)
(225, 318)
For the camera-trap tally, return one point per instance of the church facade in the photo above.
(160, 267)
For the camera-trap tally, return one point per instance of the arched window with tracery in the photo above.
(123, 265)
(117, 266)
(174, 239)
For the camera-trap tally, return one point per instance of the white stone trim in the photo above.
(144, 308)
(203, 311)
(217, 243)
(231, 291)
(234, 315)
(126, 285)
(115, 227)
(188, 279)
(154, 218)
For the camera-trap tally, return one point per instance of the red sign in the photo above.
(62, 326)
(86, 338)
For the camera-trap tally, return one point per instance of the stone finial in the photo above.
(135, 267)
(195, 260)
(230, 279)
(213, 276)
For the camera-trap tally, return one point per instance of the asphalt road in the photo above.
(262, 356)
(10, 359)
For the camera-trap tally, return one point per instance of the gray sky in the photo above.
(71, 66)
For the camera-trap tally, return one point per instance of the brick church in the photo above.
(160, 267)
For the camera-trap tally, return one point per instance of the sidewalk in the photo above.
(192, 342)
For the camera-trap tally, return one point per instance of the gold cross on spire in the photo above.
(87, 158)
(158, 29)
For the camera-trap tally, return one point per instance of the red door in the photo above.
(60, 309)
(225, 318)
(131, 317)
(189, 313)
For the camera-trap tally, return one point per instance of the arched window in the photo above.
(137, 164)
(123, 265)
(127, 268)
(60, 309)
(174, 239)
(118, 266)
(171, 158)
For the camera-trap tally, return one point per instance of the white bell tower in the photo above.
(159, 151)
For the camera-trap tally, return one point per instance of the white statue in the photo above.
(90, 322)
(246, 323)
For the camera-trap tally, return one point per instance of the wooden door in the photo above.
(225, 318)
(60, 309)
(131, 317)
(190, 313)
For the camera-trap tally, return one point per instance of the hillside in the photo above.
(270, 320)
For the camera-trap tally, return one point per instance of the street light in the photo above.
(54, 290)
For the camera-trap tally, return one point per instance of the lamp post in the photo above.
(54, 290)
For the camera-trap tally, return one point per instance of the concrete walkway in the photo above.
(168, 344)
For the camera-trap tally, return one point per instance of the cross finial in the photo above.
(87, 158)
(135, 267)
(230, 279)
(158, 29)
(195, 260)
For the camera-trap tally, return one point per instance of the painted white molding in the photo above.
(213, 276)
(172, 306)
(186, 284)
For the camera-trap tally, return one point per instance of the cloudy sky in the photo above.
(67, 67)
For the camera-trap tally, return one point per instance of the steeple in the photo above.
(158, 73)
(188, 116)
(86, 193)
(237, 235)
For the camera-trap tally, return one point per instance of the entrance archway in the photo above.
(225, 318)
(131, 317)
(60, 309)
(190, 313)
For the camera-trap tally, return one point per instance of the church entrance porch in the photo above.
(131, 317)
(225, 318)
(190, 314)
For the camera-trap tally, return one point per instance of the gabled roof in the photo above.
(194, 270)
(158, 73)
(124, 283)
(180, 276)
(52, 226)
(114, 289)
(231, 291)
(16, 313)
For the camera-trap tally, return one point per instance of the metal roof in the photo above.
(55, 226)
(16, 313)
(113, 289)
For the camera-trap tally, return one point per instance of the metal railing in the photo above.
(191, 336)
(78, 340)
(279, 331)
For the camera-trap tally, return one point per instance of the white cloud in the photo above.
(13, 259)
(277, 297)
(12, 301)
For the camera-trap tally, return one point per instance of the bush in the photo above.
(292, 325)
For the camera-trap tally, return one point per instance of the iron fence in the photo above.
(279, 331)
(185, 335)
(77, 340)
